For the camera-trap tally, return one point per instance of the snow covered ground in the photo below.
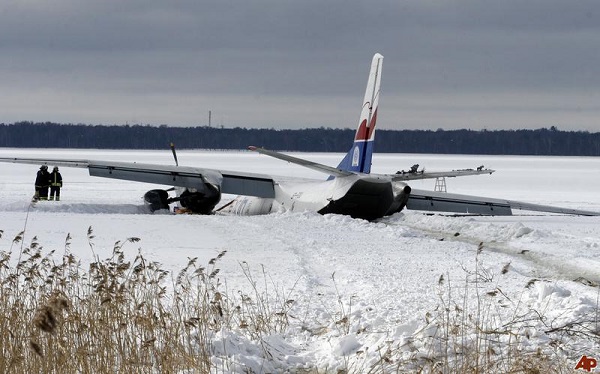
(359, 288)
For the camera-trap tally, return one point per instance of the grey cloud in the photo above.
(256, 53)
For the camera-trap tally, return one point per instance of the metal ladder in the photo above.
(440, 184)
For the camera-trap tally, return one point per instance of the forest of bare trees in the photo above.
(544, 141)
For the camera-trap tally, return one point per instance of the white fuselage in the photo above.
(293, 196)
(300, 196)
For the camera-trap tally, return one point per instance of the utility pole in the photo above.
(209, 118)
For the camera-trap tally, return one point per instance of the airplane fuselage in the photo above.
(359, 196)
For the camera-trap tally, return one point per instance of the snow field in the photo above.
(408, 288)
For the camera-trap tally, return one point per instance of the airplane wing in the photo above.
(447, 202)
(237, 183)
(400, 176)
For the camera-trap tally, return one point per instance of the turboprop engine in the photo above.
(196, 201)
(401, 195)
(201, 198)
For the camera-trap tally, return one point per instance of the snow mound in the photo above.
(236, 353)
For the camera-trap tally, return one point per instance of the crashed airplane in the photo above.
(349, 189)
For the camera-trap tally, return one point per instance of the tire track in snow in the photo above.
(256, 239)
(544, 264)
(301, 245)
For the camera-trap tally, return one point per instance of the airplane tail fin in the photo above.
(358, 159)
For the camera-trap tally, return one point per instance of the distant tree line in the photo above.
(505, 142)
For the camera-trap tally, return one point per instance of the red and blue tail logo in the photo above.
(358, 159)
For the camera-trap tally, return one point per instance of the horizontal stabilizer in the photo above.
(302, 162)
(406, 176)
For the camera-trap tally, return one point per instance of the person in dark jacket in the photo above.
(55, 184)
(42, 182)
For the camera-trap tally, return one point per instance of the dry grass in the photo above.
(116, 315)
(465, 337)
(131, 316)
(113, 316)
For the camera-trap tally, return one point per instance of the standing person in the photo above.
(55, 184)
(42, 182)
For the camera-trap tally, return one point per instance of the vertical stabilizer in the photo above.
(358, 159)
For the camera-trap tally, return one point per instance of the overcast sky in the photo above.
(506, 64)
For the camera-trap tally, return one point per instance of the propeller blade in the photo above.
(174, 154)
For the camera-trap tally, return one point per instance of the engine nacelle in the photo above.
(156, 200)
(401, 195)
(200, 202)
